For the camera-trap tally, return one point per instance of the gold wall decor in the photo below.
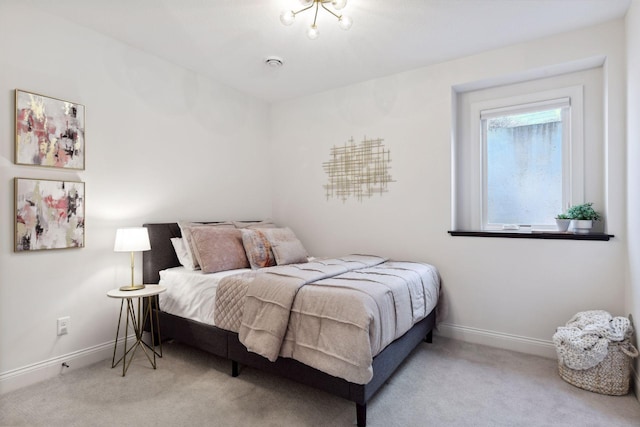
(358, 170)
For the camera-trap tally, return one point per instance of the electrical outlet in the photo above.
(63, 325)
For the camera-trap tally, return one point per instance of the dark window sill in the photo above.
(534, 235)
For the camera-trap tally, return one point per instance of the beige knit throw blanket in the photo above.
(584, 342)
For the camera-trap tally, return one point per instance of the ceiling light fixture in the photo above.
(288, 16)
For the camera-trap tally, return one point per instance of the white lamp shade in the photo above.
(339, 4)
(345, 22)
(313, 32)
(287, 17)
(132, 239)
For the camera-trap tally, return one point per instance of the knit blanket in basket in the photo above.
(584, 342)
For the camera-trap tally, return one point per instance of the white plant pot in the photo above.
(563, 224)
(582, 226)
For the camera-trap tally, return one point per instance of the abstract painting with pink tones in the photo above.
(49, 214)
(49, 131)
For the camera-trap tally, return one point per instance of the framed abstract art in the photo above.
(49, 132)
(48, 214)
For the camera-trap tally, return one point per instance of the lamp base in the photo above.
(132, 288)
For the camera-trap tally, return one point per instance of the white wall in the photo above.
(162, 144)
(506, 292)
(633, 167)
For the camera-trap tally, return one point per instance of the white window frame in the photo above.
(572, 150)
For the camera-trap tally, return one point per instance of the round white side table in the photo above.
(136, 318)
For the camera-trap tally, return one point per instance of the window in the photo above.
(523, 147)
(523, 151)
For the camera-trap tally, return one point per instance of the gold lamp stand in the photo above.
(132, 287)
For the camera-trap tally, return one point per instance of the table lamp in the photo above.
(132, 239)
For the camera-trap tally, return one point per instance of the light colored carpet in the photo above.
(447, 383)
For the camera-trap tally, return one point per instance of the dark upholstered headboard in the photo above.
(162, 255)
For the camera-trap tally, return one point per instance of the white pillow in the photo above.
(181, 251)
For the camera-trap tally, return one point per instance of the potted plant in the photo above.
(562, 222)
(582, 217)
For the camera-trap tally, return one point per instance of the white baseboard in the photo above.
(515, 343)
(40, 371)
(518, 343)
(31, 374)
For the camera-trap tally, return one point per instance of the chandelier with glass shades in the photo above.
(288, 16)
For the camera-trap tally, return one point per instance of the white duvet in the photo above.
(191, 294)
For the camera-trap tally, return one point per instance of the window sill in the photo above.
(534, 235)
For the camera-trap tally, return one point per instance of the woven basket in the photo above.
(611, 376)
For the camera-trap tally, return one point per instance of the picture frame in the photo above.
(49, 214)
(49, 132)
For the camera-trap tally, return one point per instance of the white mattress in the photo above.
(191, 294)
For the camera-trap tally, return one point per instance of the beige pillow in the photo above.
(218, 248)
(267, 223)
(258, 249)
(286, 247)
(185, 230)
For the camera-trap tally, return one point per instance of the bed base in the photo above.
(227, 344)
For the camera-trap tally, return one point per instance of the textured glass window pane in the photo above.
(524, 168)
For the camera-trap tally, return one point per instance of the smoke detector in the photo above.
(274, 61)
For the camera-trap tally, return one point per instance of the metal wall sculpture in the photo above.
(358, 170)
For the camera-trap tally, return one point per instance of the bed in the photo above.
(230, 344)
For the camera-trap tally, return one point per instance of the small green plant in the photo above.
(584, 211)
(563, 216)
